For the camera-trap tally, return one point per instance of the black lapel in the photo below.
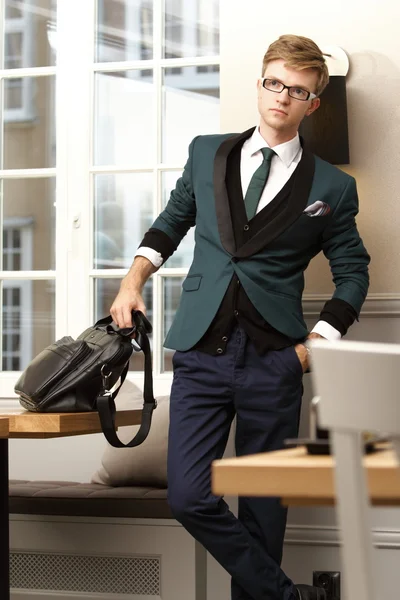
(233, 182)
(224, 217)
(286, 215)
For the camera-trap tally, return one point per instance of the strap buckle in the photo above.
(105, 377)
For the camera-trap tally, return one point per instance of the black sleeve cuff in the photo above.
(159, 241)
(339, 314)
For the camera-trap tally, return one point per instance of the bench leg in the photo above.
(4, 524)
(201, 571)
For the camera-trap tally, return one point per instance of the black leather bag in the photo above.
(78, 375)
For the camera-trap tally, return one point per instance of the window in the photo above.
(84, 181)
(124, 30)
(143, 124)
(17, 296)
(146, 30)
(12, 329)
(16, 355)
(27, 185)
(207, 33)
(18, 50)
(174, 33)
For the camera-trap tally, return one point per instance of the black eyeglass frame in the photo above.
(310, 95)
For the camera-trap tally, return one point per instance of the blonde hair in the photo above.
(299, 53)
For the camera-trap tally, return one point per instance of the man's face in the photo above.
(279, 111)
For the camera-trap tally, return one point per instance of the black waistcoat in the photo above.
(236, 308)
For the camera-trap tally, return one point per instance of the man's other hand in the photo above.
(303, 352)
(302, 355)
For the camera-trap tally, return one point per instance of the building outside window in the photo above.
(18, 52)
(17, 296)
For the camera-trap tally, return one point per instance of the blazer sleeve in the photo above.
(344, 248)
(180, 213)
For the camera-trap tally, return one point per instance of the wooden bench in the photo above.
(87, 500)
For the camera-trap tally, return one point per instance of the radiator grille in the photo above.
(96, 574)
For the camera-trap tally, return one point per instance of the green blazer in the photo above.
(271, 264)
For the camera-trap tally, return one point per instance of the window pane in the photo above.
(28, 321)
(124, 30)
(29, 100)
(13, 94)
(105, 291)
(124, 119)
(123, 208)
(191, 107)
(28, 222)
(191, 28)
(172, 293)
(30, 36)
(184, 255)
(13, 48)
(11, 11)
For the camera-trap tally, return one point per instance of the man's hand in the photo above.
(302, 355)
(302, 352)
(129, 297)
(127, 300)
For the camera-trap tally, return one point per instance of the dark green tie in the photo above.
(257, 183)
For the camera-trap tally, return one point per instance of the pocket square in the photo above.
(317, 209)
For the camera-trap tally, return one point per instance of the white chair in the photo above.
(358, 385)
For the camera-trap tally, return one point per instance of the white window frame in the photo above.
(75, 275)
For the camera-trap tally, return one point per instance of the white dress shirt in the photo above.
(288, 156)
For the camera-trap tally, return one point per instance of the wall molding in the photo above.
(376, 305)
(319, 535)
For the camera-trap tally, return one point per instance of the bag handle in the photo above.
(105, 401)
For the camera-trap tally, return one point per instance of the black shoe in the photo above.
(310, 592)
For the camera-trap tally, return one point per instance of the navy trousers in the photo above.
(264, 393)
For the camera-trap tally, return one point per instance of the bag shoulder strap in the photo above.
(106, 400)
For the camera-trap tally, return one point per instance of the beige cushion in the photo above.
(145, 465)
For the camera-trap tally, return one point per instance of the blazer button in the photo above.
(246, 227)
(219, 351)
(224, 339)
(236, 313)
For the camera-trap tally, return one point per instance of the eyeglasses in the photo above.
(273, 85)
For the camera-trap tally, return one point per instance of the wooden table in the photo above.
(3, 427)
(301, 479)
(24, 424)
(19, 423)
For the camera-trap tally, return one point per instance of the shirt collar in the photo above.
(287, 151)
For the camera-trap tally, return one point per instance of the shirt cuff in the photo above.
(327, 331)
(152, 255)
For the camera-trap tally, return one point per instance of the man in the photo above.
(263, 207)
